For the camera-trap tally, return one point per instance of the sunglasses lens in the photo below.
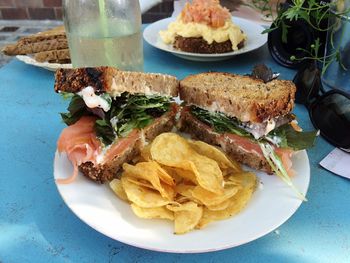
(308, 83)
(331, 115)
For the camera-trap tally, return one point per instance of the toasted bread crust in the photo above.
(52, 39)
(199, 45)
(106, 172)
(243, 97)
(200, 131)
(115, 82)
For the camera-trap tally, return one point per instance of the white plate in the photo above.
(253, 31)
(46, 65)
(271, 205)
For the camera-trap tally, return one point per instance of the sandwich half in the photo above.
(111, 116)
(249, 119)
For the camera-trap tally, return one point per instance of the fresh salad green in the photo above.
(127, 112)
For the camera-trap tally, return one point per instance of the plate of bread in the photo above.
(119, 128)
(46, 49)
(205, 31)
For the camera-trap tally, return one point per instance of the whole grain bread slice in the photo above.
(200, 45)
(243, 97)
(61, 54)
(114, 81)
(36, 47)
(52, 39)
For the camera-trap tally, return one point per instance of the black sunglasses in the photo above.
(329, 111)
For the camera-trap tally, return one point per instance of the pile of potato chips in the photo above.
(189, 182)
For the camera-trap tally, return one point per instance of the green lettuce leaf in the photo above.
(76, 108)
(127, 112)
(219, 121)
(294, 139)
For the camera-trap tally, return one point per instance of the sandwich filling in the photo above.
(101, 127)
(206, 19)
(282, 135)
(275, 146)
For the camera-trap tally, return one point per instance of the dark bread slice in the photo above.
(200, 131)
(243, 97)
(114, 81)
(199, 45)
(105, 172)
(43, 41)
(36, 47)
(61, 54)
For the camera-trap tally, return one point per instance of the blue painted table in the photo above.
(36, 226)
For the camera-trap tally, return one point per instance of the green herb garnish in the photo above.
(219, 121)
(76, 108)
(127, 112)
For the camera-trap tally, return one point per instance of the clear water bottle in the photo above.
(104, 33)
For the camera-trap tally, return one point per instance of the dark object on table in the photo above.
(329, 111)
(299, 38)
(261, 71)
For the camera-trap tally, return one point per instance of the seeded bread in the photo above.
(200, 131)
(243, 97)
(36, 47)
(105, 172)
(199, 45)
(53, 39)
(115, 82)
(52, 55)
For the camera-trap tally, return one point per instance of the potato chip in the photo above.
(186, 216)
(143, 183)
(152, 212)
(212, 199)
(172, 150)
(150, 172)
(117, 187)
(143, 196)
(221, 206)
(185, 174)
(244, 179)
(172, 172)
(214, 153)
(163, 175)
(184, 190)
(190, 182)
(145, 153)
(237, 202)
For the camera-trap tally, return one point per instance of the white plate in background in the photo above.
(46, 65)
(252, 29)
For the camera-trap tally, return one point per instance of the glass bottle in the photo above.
(104, 33)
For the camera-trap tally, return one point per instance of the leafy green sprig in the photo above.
(127, 112)
(314, 13)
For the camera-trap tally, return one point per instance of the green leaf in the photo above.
(219, 121)
(107, 98)
(276, 165)
(135, 111)
(293, 139)
(66, 95)
(104, 131)
(76, 108)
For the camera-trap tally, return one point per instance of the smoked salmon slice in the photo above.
(208, 12)
(80, 143)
